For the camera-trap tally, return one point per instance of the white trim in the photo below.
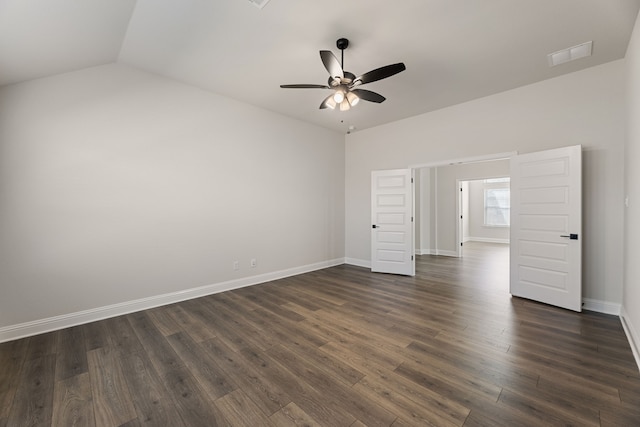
(475, 159)
(487, 240)
(459, 225)
(40, 326)
(632, 336)
(600, 306)
(425, 251)
(358, 262)
(436, 242)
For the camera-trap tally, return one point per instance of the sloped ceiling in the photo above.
(454, 50)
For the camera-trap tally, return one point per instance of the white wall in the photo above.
(585, 107)
(425, 219)
(631, 301)
(118, 185)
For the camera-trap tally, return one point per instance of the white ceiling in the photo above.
(454, 50)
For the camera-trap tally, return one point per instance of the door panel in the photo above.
(546, 207)
(392, 222)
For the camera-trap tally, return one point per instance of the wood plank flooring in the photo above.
(336, 347)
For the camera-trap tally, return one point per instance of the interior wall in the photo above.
(117, 185)
(631, 301)
(423, 221)
(586, 107)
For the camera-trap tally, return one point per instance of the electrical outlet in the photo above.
(253, 263)
(236, 265)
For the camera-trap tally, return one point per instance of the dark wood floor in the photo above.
(337, 347)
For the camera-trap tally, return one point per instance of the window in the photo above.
(497, 207)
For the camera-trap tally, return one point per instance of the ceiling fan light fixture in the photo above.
(344, 83)
(353, 99)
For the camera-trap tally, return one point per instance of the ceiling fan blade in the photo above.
(328, 103)
(331, 63)
(304, 86)
(379, 74)
(367, 95)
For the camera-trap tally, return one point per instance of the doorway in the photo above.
(545, 248)
(439, 230)
(457, 229)
(484, 212)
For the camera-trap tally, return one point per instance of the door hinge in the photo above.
(411, 219)
(411, 257)
(412, 180)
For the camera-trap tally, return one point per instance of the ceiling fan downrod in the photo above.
(342, 44)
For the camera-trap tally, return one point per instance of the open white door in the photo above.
(392, 222)
(546, 223)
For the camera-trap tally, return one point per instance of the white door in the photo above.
(546, 223)
(392, 222)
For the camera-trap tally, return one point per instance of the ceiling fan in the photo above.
(345, 84)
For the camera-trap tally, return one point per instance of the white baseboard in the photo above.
(601, 306)
(358, 262)
(427, 252)
(40, 326)
(446, 253)
(435, 252)
(488, 240)
(632, 336)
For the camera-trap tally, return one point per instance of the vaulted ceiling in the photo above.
(454, 50)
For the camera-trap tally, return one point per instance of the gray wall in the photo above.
(118, 185)
(631, 300)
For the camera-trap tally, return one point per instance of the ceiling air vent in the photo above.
(259, 3)
(570, 54)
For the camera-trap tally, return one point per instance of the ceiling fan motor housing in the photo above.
(346, 80)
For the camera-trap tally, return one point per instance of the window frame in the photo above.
(493, 185)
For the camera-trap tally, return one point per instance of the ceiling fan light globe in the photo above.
(338, 97)
(344, 105)
(330, 103)
(353, 99)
